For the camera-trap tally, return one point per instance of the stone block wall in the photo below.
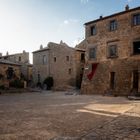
(60, 64)
(3, 68)
(123, 64)
(100, 83)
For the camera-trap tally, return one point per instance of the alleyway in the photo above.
(58, 116)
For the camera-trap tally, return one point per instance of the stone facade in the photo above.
(80, 62)
(17, 58)
(56, 60)
(113, 45)
(23, 60)
(4, 67)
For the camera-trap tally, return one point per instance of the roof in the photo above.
(2, 61)
(40, 50)
(4, 56)
(49, 46)
(116, 14)
(80, 49)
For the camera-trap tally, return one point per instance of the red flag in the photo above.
(91, 74)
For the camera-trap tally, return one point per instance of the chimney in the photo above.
(101, 16)
(41, 47)
(61, 42)
(127, 7)
(7, 53)
(24, 51)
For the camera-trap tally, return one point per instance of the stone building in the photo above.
(17, 58)
(80, 62)
(23, 60)
(8, 71)
(56, 60)
(113, 54)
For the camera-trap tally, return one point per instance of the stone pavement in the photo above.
(61, 116)
(124, 127)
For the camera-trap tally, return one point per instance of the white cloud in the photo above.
(70, 21)
(66, 22)
(84, 1)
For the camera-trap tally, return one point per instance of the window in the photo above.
(112, 51)
(10, 73)
(70, 71)
(44, 59)
(136, 19)
(54, 59)
(82, 57)
(113, 25)
(93, 30)
(136, 47)
(19, 59)
(67, 58)
(92, 53)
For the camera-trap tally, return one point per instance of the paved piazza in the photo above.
(62, 116)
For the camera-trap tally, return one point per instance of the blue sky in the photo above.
(25, 24)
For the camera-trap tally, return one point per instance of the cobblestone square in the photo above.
(62, 116)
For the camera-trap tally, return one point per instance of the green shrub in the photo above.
(49, 82)
(17, 83)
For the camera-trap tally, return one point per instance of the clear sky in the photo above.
(26, 24)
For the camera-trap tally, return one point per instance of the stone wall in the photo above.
(123, 64)
(80, 63)
(3, 68)
(59, 63)
(18, 57)
(39, 68)
(63, 69)
(100, 83)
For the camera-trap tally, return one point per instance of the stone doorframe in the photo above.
(132, 80)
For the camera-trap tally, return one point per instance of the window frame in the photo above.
(19, 58)
(93, 32)
(113, 25)
(54, 59)
(133, 47)
(90, 53)
(133, 21)
(116, 51)
(67, 58)
(82, 57)
(44, 59)
(69, 71)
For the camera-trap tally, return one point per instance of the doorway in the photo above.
(112, 80)
(135, 80)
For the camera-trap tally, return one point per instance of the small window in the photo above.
(112, 51)
(19, 59)
(10, 73)
(92, 53)
(136, 19)
(44, 59)
(93, 30)
(82, 57)
(54, 59)
(136, 47)
(113, 25)
(70, 71)
(67, 58)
